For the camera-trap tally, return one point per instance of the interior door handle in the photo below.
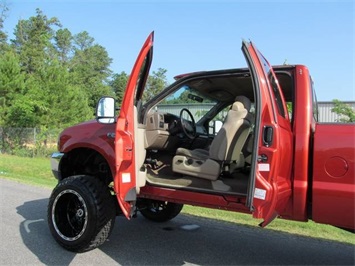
(268, 135)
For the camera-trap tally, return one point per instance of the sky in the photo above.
(199, 35)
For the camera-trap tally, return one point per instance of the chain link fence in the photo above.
(28, 142)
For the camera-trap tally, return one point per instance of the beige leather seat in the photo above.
(225, 148)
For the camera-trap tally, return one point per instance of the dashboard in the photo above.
(163, 132)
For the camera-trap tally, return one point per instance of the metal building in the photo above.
(325, 111)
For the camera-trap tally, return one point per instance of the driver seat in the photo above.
(225, 147)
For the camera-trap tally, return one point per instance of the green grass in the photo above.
(34, 171)
(37, 171)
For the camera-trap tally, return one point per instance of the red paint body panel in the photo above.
(91, 135)
(196, 199)
(333, 189)
(302, 131)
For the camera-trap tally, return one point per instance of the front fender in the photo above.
(89, 135)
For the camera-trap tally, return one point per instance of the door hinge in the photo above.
(262, 158)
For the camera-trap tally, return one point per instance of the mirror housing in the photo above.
(105, 110)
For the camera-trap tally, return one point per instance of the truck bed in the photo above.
(333, 184)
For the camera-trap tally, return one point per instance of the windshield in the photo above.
(186, 97)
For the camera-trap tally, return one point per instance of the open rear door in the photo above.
(125, 178)
(269, 190)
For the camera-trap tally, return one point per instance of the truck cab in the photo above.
(157, 150)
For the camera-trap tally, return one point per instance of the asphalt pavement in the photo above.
(186, 240)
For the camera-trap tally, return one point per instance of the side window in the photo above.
(275, 87)
(289, 107)
(277, 96)
(142, 78)
(217, 122)
(315, 103)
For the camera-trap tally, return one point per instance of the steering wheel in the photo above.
(188, 125)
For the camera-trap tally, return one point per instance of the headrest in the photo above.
(244, 100)
(237, 106)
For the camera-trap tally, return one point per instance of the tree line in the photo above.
(52, 78)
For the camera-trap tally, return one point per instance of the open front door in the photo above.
(125, 179)
(269, 190)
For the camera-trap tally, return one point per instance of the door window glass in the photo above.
(142, 77)
(275, 87)
(315, 103)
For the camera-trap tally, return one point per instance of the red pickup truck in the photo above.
(244, 140)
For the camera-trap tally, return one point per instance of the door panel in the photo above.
(270, 189)
(126, 174)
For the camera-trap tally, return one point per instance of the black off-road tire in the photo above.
(161, 211)
(81, 213)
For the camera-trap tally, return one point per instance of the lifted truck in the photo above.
(269, 157)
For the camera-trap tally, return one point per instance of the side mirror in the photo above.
(105, 110)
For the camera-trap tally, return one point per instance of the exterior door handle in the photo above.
(268, 135)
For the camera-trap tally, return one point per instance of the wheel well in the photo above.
(85, 161)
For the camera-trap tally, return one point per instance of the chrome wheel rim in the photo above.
(69, 215)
